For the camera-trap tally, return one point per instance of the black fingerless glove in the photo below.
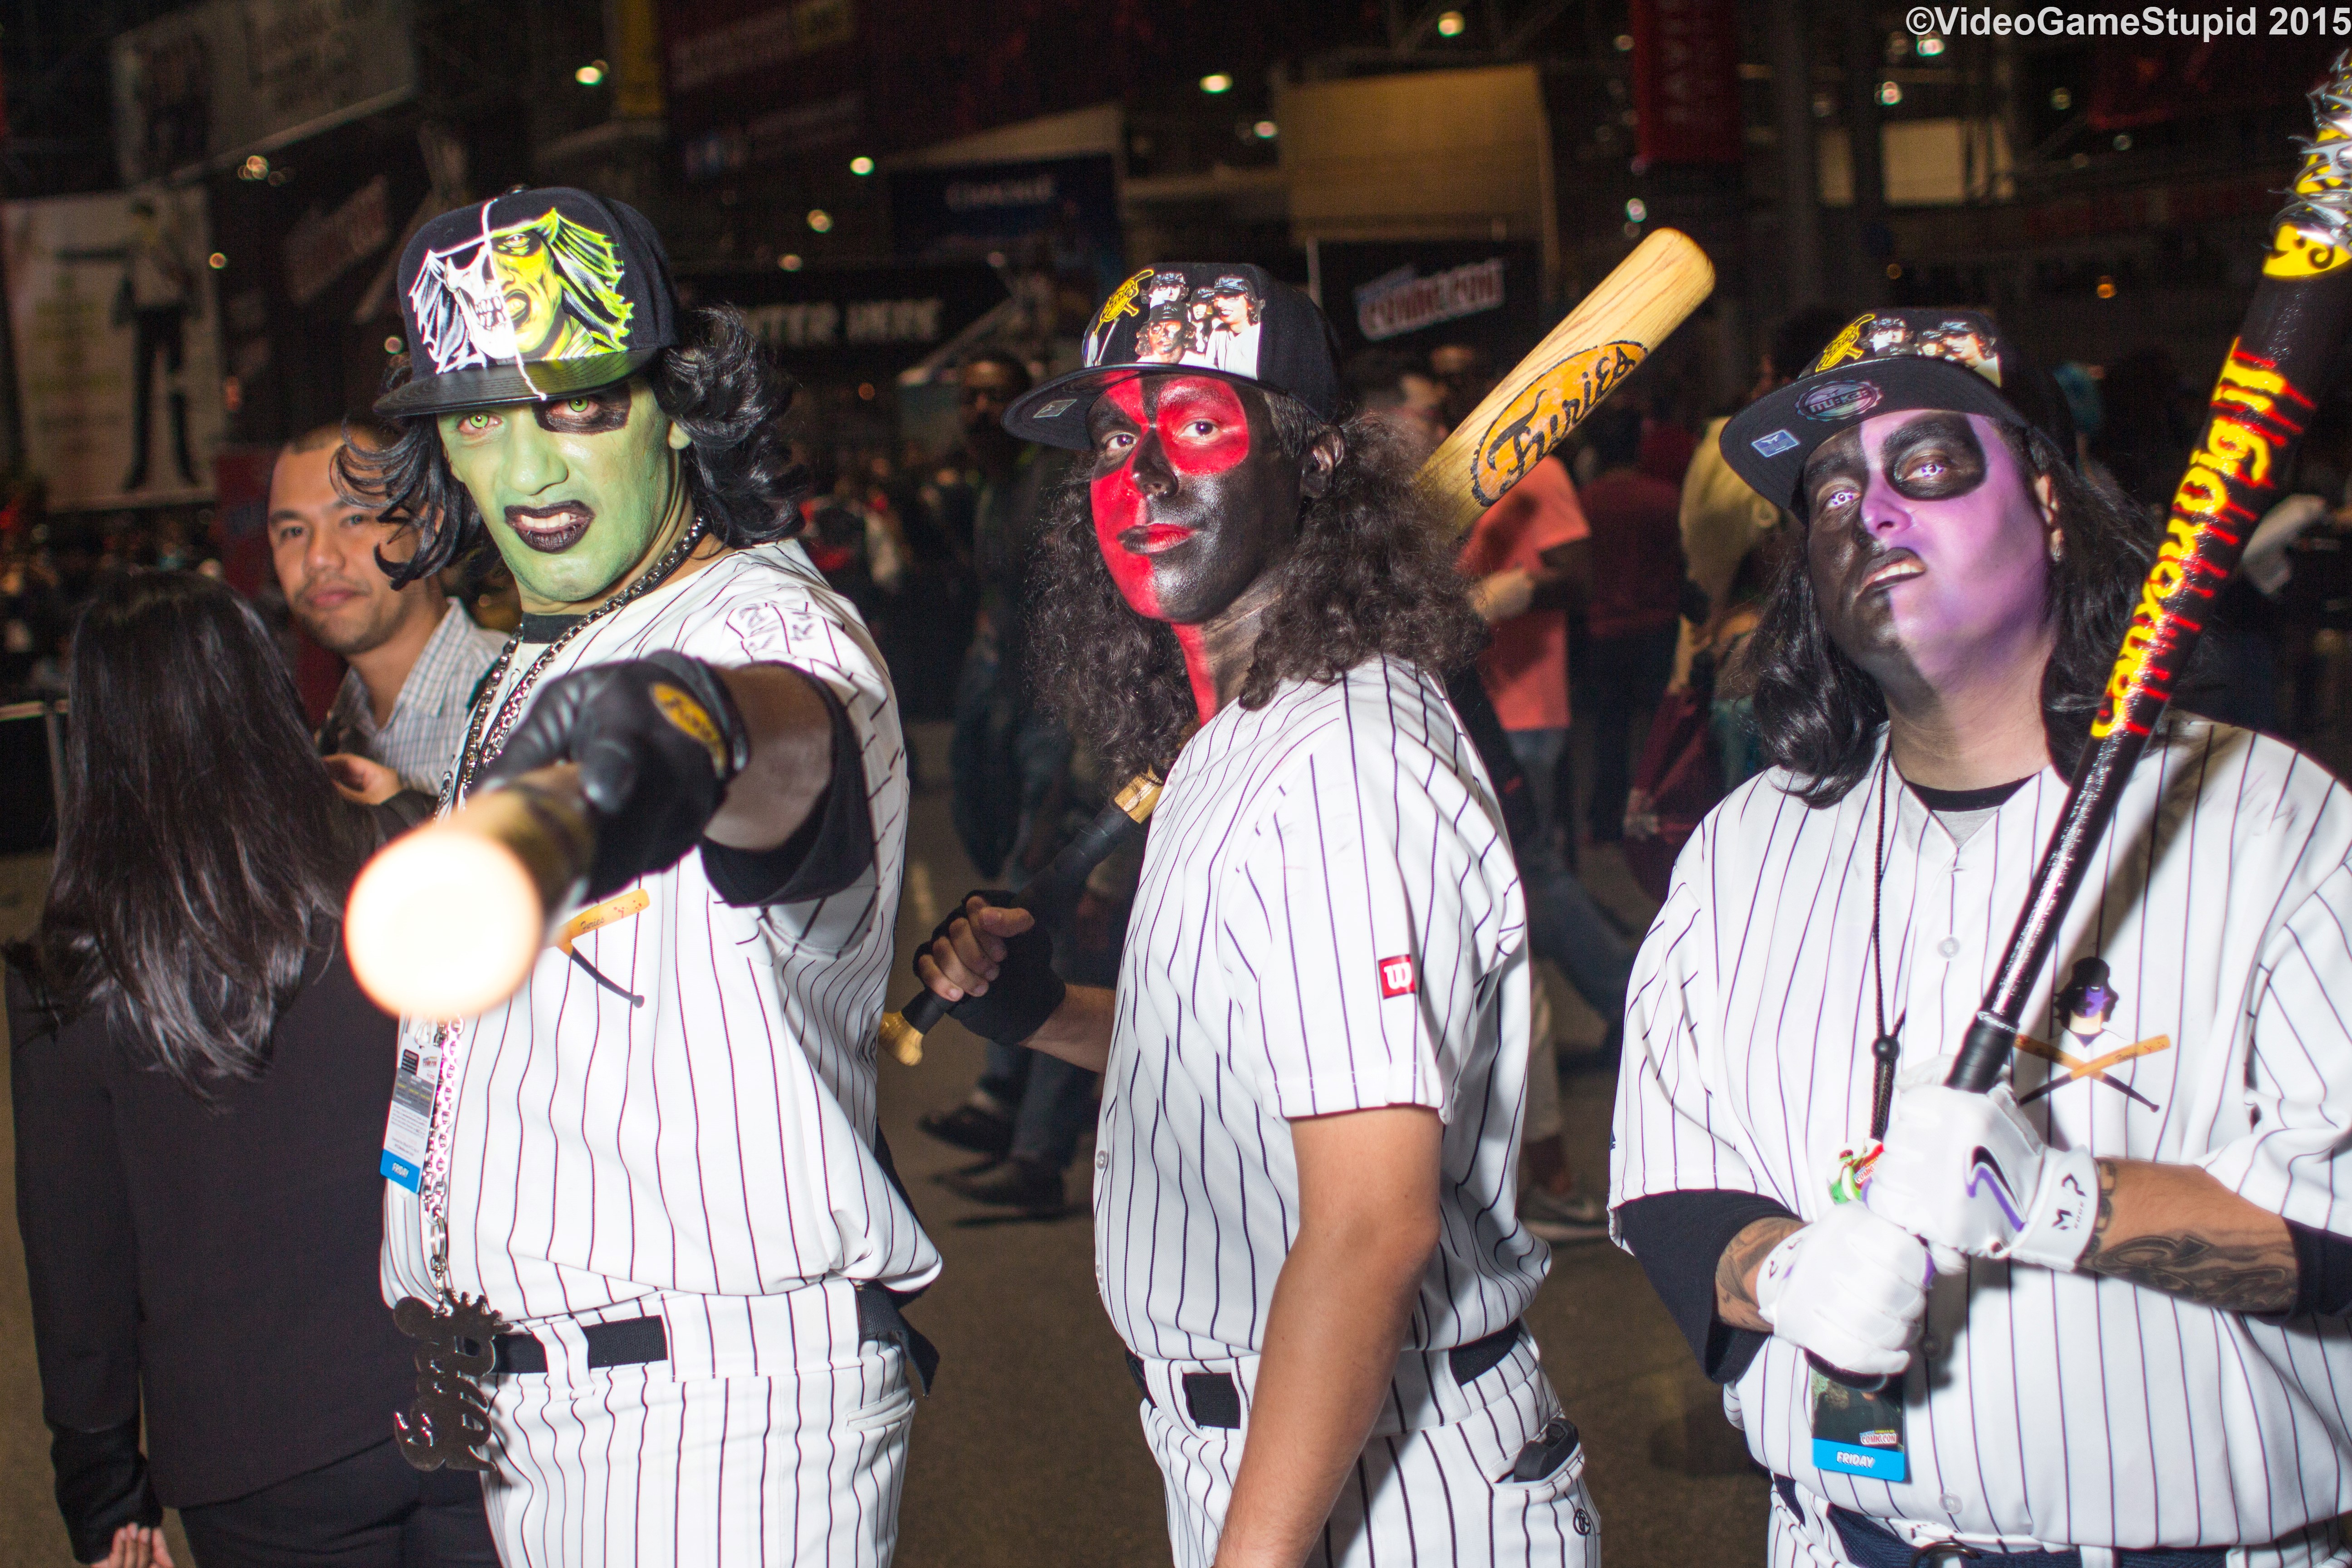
(1025, 991)
(658, 740)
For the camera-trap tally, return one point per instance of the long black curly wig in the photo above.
(1371, 574)
(1818, 714)
(720, 384)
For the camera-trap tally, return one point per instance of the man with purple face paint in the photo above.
(2103, 1297)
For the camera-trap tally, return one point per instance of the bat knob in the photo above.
(905, 1041)
(443, 923)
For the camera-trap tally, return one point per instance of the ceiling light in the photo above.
(820, 220)
(1216, 82)
(590, 74)
(861, 164)
(1450, 25)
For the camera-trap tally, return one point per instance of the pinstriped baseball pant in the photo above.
(1441, 1494)
(770, 1434)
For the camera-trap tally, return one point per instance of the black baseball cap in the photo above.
(534, 294)
(1181, 315)
(1884, 363)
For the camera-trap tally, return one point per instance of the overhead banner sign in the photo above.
(1686, 81)
(112, 305)
(1058, 214)
(1413, 297)
(210, 85)
(865, 321)
(751, 82)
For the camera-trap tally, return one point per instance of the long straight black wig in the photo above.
(203, 852)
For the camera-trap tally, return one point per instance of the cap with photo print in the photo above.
(531, 295)
(1215, 318)
(1885, 362)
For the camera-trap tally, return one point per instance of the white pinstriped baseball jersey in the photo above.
(719, 1139)
(1329, 919)
(2041, 1406)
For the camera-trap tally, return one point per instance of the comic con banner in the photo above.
(1413, 297)
(111, 303)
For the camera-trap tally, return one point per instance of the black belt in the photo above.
(633, 1342)
(1214, 1399)
(1873, 1545)
(630, 1341)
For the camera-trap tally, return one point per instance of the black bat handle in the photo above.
(903, 1031)
(1061, 878)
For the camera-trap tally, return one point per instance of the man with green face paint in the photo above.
(657, 1164)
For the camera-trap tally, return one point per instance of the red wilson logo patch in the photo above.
(1396, 976)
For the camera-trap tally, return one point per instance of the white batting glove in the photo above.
(1969, 1173)
(1850, 1287)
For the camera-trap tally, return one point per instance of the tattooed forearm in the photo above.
(2174, 1228)
(1735, 1271)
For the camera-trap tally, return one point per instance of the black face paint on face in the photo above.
(1193, 501)
(588, 413)
(1926, 545)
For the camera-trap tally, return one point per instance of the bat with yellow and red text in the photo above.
(2282, 357)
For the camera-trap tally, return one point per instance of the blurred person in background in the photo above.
(1009, 763)
(1462, 369)
(1630, 611)
(1402, 394)
(416, 656)
(1702, 742)
(200, 1092)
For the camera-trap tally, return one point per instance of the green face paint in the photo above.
(579, 493)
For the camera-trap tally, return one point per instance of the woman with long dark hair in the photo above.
(200, 1093)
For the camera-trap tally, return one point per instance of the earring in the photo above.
(2057, 546)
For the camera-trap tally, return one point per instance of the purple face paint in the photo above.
(1926, 547)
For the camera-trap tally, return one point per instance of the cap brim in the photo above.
(1055, 413)
(1768, 442)
(486, 386)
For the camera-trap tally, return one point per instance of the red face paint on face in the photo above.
(1185, 518)
(1119, 507)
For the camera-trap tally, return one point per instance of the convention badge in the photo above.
(412, 1105)
(1858, 1434)
(449, 1425)
(1854, 1433)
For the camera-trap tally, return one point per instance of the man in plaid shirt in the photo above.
(415, 657)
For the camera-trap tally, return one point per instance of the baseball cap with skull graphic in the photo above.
(531, 295)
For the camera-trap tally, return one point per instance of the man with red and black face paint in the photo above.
(2125, 1261)
(1314, 1058)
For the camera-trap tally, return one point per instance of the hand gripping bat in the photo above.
(449, 920)
(1514, 427)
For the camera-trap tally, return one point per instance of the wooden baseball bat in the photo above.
(1530, 411)
(2266, 393)
(448, 920)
